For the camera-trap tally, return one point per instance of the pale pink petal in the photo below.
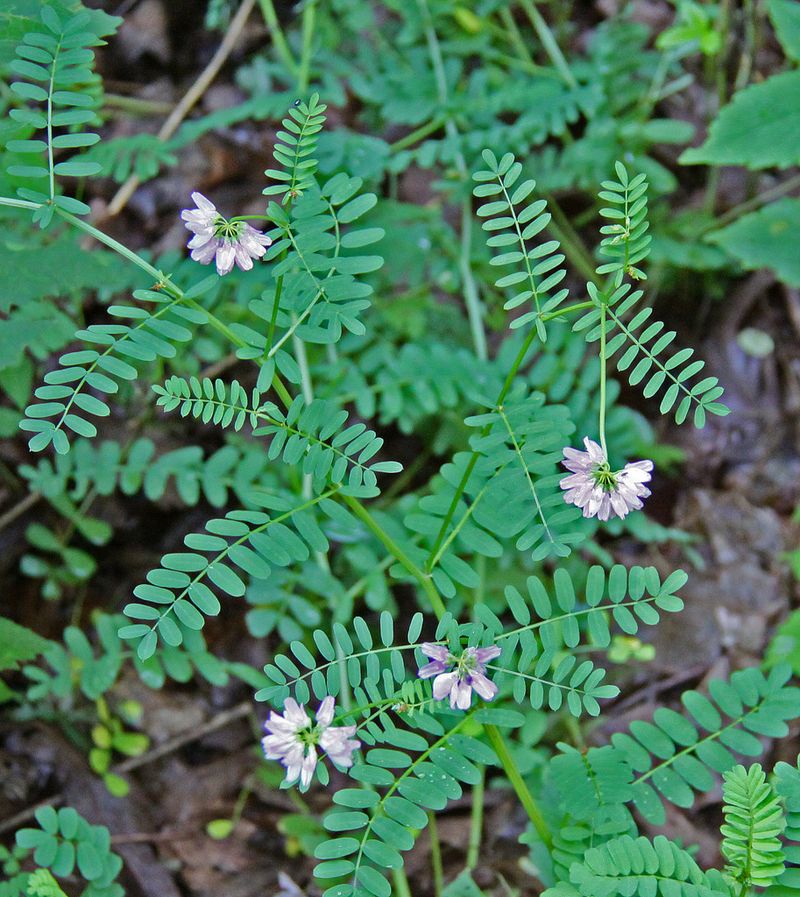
(308, 767)
(226, 255)
(485, 654)
(325, 711)
(461, 695)
(431, 669)
(242, 257)
(443, 684)
(296, 714)
(205, 205)
(435, 652)
(205, 254)
(483, 686)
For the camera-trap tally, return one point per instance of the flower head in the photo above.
(292, 739)
(217, 238)
(468, 673)
(599, 491)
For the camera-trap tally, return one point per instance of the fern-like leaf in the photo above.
(787, 784)
(671, 377)
(179, 592)
(628, 865)
(294, 151)
(626, 241)
(677, 754)
(753, 824)
(42, 884)
(57, 64)
(314, 433)
(537, 270)
(66, 396)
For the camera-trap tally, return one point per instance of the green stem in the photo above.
(114, 244)
(578, 306)
(276, 33)
(476, 820)
(274, 318)
(19, 203)
(417, 134)
(436, 855)
(471, 295)
(602, 423)
(548, 42)
(448, 518)
(136, 105)
(389, 543)
(301, 358)
(50, 163)
(309, 15)
(401, 886)
(514, 36)
(518, 784)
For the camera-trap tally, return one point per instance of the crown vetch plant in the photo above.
(502, 616)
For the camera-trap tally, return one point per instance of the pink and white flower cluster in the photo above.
(468, 675)
(599, 491)
(292, 739)
(218, 239)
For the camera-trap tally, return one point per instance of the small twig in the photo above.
(178, 741)
(167, 835)
(168, 747)
(15, 821)
(19, 509)
(194, 93)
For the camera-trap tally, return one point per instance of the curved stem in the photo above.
(518, 783)
(422, 578)
(436, 855)
(603, 374)
(471, 295)
(476, 820)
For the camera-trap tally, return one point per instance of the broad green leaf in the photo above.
(759, 128)
(767, 239)
(785, 15)
(18, 644)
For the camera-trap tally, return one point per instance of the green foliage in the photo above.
(67, 393)
(233, 471)
(18, 644)
(64, 843)
(57, 64)
(478, 520)
(765, 239)
(787, 784)
(785, 644)
(508, 227)
(141, 155)
(179, 592)
(753, 824)
(752, 129)
(629, 865)
(626, 241)
(672, 377)
(294, 150)
(319, 288)
(676, 754)
(42, 884)
(410, 786)
(314, 433)
(785, 17)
